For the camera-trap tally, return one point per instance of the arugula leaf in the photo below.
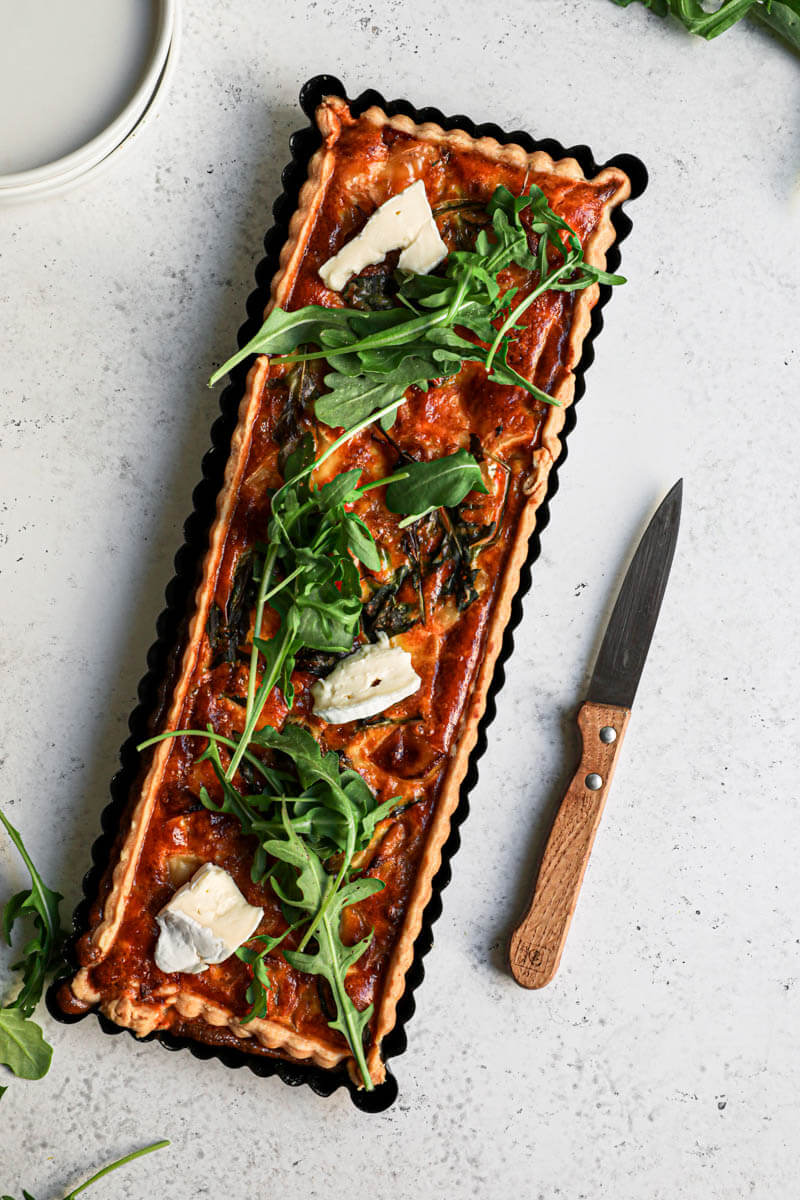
(311, 538)
(333, 811)
(696, 18)
(440, 483)
(342, 791)
(317, 896)
(343, 489)
(361, 543)
(503, 372)
(120, 1162)
(313, 767)
(22, 1045)
(352, 398)
(782, 17)
(374, 815)
(256, 994)
(283, 331)
(43, 951)
(377, 355)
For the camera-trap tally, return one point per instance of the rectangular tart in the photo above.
(444, 593)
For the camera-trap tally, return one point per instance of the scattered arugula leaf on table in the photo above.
(22, 1045)
(781, 19)
(780, 16)
(120, 1162)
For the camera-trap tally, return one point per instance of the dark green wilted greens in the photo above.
(22, 1045)
(120, 1162)
(780, 16)
(383, 612)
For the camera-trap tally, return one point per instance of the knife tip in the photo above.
(675, 493)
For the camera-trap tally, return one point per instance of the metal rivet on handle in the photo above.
(593, 782)
(608, 734)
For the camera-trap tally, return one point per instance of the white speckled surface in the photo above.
(663, 1061)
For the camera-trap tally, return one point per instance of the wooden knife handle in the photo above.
(537, 942)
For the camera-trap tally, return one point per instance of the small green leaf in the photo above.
(11, 911)
(440, 483)
(283, 331)
(42, 954)
(371, 819)
(353, 398)
(340, 490)
(781, 19)
(22, 1045)
(362, 544)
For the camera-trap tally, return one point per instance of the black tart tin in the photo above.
(188, 562)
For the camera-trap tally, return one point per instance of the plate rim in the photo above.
(97, 148)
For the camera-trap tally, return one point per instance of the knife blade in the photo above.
(538, 941)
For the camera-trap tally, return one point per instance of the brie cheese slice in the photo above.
(203, 923)
(425, 252)
(368, 682)
(405, 222)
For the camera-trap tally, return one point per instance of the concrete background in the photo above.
(663, 1061)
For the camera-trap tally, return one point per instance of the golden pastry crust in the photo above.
(175, 1003)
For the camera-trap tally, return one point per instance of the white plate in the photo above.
(75, 81)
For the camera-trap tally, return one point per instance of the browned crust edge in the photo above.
(275, 1037)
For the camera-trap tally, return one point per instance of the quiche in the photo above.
(328, 764)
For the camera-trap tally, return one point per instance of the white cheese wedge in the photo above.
(405, 222)
(368, 682)
(425, 252)
(204, 922)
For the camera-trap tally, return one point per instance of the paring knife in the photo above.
(538, 941)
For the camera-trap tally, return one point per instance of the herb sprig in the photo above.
(377, 355)
(22, 1045)
(422, 487)
(308, 817)
(780, 16)
(120, 1162)
(314, 545)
